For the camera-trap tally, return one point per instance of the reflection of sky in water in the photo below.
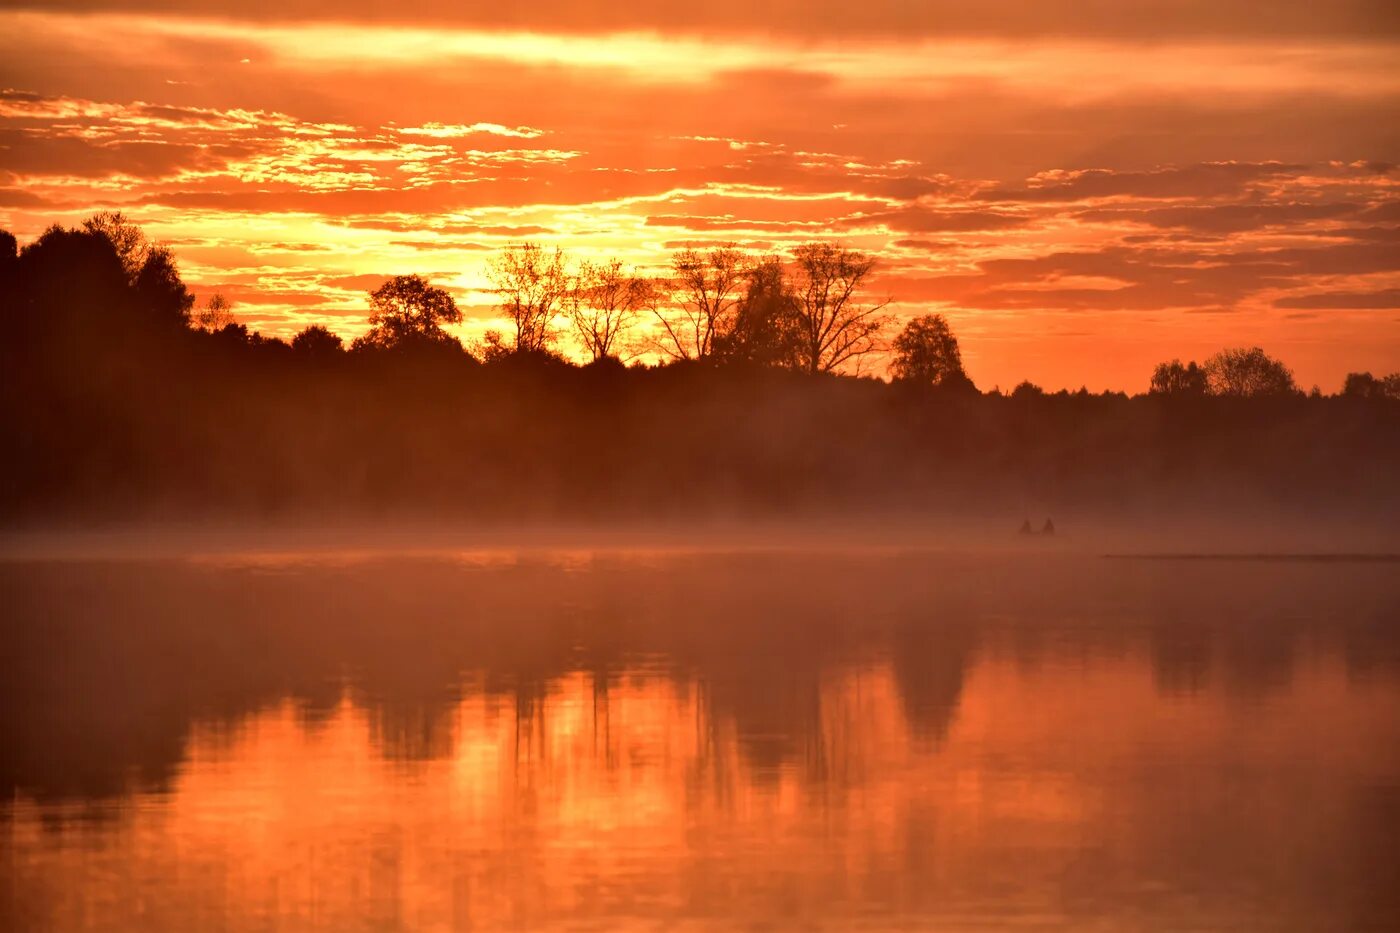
(714, 739)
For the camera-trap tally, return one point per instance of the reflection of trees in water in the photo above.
(930, 663)
(1180, 656)
(1372, 648)
(1240, 622)
(1257, 658)
(108, 666)
(775, 713)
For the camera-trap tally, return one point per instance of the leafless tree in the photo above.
(215, 315)
(533, 285)
(604, 304)
(835, 326)
(706, 288)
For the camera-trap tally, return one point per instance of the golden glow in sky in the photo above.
(1083, 196)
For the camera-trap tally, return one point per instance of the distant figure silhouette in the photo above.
(1049, 528)
(1026, 527)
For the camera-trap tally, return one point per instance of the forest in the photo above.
(735, 387)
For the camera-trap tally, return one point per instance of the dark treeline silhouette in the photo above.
(123, 399)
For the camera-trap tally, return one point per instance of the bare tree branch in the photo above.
(533, 286)
(835, 327)
(604, 303)
(706, 292)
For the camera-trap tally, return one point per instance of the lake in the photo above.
(668, 738)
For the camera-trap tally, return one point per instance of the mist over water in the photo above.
(903, 466)
(643, 733)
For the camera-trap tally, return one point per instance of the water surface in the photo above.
(764, 739)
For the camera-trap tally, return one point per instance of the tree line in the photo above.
(724, 306)
(810, 313)
(732, 384)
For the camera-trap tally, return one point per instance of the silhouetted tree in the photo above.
(927, 352)
(1361, 385)
(160, 292)
(1365, 385)
(532, 286)
(706, 290)
(232, 335)
(835, 326)
(1248, 373)
(149, 268)
(216, 314)
(1028, 389)
(407, 310)
(604, 304)
(9, 266)
(1174, 378)
(764, 329)
(89, 372)
(491, 348)
(317, 341)
(126, 238)
(70, 285)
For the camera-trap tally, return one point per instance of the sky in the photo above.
(1084, 188)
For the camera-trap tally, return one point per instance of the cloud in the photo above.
(449, 228)
(1207, 180)
(1059, 173)
(1144, 19)
(696, 222)
(1385, 299)
(18, 197)
(1223, 218)
(920, 219)
(454, 130)
(363, 282)
(36, 155)
(1124, 278)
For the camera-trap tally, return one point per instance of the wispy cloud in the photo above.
(1121, 178)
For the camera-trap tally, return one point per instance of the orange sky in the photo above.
(1084, 188)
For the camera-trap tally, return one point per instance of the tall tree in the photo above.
(215, 315)
(764, 329)
(604, 304)
(160, 291)
(317, 341)
(927, 352)
(1176, 378)
(532, 286)
(150, 269)
(407, 310)
(1365, 385)
(126, 238)
(706, 292)
(835, 326)
(1248, 373)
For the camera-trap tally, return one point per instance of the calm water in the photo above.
(769, 740)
